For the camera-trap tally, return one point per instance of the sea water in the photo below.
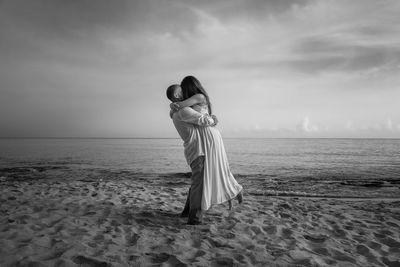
(294, 167)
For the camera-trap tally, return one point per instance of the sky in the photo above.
(282, 68)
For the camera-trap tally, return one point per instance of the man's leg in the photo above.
(196, 191)
(185, 212)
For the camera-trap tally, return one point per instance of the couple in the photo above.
(212, 181)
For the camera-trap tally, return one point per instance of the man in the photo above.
(186, 121)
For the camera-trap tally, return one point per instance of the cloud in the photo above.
(312, 37)
(346, 37)
(79, 20)
(65, 19)
(316, 54)
(307, 129)
(228, 10)
(256, 35)
(104, 34)
(389, 124)
(306, 126)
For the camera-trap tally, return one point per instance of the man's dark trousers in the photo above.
(193, 201)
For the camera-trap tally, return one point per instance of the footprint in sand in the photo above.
(239, 257)
(316, 238)
(249, 221)
(390, 242)
(275, 250)
(85, 261)
(131, 240)
(286, 233)
(158, 258)
(348, 226)
(271, 230)
(223, 261)
(199, 253)
(54, 254)
(341, 256)
(256, 230)
(390, 263)
(330, 262)
(230, 235)
(364, 250)
(392, 224)
(321, 251)
(374, 245)
(338, 232)
(99, 237)
(285, 215)
(300, 258)
(215, 242)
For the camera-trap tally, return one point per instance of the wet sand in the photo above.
(133, 221)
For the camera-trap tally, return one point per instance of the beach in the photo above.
(132, 219)
(106, 108)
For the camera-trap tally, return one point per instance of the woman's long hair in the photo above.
(191, 86)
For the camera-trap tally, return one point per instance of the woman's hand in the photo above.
(215, 120)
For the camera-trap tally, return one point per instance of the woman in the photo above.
(219, 184)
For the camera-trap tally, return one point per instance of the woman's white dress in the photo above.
(219, 184)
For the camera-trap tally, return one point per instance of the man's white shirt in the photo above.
(186, 121)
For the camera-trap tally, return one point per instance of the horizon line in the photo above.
(88, 137)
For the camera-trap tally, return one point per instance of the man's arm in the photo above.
(189, 115)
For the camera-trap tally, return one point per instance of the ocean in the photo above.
(338, 168)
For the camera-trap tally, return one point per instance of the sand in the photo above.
(133, 221)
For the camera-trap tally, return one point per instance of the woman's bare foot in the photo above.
(239, 197)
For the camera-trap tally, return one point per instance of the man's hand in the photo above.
(215, 120)
(171, 112)
(174, 106)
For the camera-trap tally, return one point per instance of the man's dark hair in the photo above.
(171, 90)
